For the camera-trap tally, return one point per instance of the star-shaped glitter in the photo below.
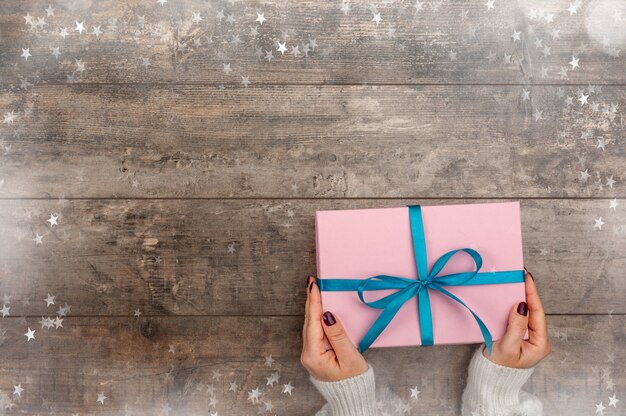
(56, 52)
(269, 361)
(572, 9)
(260, 17)
(63, 32)
(613, 204)
(96, 31)
(538, 114)
(345, 7)
(254, 395)
(245, 81)
(161, 2)
(583, 99)
(525, 94)
(53, 220)
(585, 175)
(288, 388)
(233, 386)
(101, 396)
(273, 378)
(10, 117)
(49, 300)
(574, 62)
(610, 181)
(613, 401)
(490, 4)
(282, 48)
(30, 334)
(213, 402)
(137, 313)
(415, 393)
(598, 224)
(5, 310)
(600, 409)
(196, 17)
(26, 53)
(516, 35)
(50, 11)
(58, 323)
(17, 390)
(377, 18)
(80, 27)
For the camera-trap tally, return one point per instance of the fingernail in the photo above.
(311, 286)
(308, 278)
(522, 308)
(329, 319)
(529, 273)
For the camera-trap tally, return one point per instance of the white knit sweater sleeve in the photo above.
(496, 390)
(491, 390)
(354, 396)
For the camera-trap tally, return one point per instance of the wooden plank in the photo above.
(444, 42)
(214, 257)
(301, 141)
(64, 370)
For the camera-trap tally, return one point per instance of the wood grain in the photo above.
(407, 47)
(129, 360)
(173, 257)
(300, 141)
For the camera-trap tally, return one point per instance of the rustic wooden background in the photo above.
(184, 162)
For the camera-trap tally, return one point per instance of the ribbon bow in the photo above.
(408, 288)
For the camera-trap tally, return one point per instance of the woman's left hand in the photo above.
(344, 360)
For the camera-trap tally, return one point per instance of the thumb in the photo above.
(336, 334)
(512, 340)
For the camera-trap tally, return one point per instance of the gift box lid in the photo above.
(359, 243)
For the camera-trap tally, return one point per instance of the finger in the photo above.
(314, 331)
(537, 325)
(511, 342)
(336, 334)
(306, 312)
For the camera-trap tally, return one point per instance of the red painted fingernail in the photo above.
(329, 319)
(522, 308)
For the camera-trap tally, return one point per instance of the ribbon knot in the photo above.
(407, 288)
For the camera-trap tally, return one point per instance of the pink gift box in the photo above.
(360, 243)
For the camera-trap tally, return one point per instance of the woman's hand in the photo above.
(344, 360)
(512, 350)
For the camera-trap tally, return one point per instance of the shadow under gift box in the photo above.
(360, 243)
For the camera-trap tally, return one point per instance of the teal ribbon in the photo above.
(408, 288)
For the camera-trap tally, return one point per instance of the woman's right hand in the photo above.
(343, 360)
(512, 350)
